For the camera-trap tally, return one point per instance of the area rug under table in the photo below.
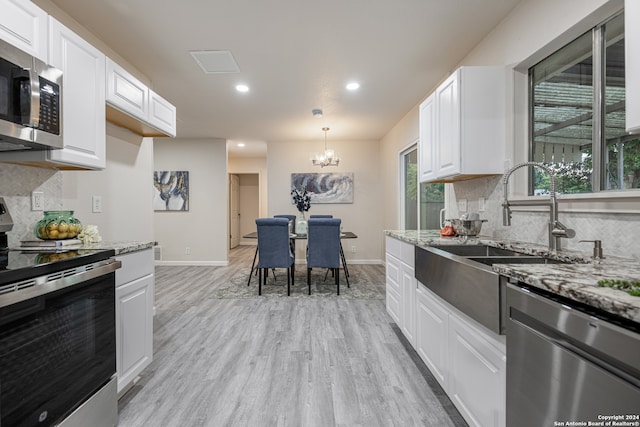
(320, 288)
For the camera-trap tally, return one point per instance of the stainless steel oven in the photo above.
(57, 339)
(569, 363)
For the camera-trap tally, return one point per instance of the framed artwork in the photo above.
(171, 190)
(325, 187)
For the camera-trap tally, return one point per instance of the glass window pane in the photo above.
(431, 202)
(562, 117)
(622, 154)
(411, 190)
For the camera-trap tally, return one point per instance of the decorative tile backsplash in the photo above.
(16, 184)
(620, 233)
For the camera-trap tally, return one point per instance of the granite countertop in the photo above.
(577, 281)
(121, 247)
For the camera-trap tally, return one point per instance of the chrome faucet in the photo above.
(556, 229)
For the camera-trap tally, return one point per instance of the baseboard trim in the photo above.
(193, 263)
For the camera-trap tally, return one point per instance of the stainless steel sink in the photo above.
(462, 275)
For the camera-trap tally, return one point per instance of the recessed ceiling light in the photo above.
(240, 144)
(353, 86)
(242, 88)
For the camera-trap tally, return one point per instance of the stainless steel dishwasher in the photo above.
(566, 363)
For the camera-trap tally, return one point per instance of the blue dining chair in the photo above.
(323, 247)
(274, 250)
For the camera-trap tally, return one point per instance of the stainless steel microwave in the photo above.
(30, 102)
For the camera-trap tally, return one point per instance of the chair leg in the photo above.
(289, 273)
(259, 281)
(309, 279)
(255, 255)
(337, 272)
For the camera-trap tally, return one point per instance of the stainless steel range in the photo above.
(57, 336)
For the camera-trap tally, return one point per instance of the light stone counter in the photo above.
(577, 281)
(121, 247)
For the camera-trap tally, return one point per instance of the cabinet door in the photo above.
(477, 375)
(83, 103)
(162, 114)
(24, 25)
(408, 310)
(134, 329)
(126, 93)
(448, 126)
(632, 64)
(393, 288)
(431, 334)
(427, 146)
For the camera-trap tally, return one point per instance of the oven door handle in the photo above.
(54, 282)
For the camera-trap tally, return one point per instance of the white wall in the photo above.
(203, 229)
(125, 187)
(364, 216)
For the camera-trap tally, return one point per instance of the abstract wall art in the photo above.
(325, 187)
(171, 190)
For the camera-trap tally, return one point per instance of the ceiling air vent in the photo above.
(215, 61)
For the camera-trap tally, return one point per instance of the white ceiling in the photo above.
(295, 55)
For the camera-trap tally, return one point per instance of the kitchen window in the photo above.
(577, 116)
(421, 202)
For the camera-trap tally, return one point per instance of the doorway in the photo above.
(244, 206)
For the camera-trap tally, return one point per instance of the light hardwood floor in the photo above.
(278, 361)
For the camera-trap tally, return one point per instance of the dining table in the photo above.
(293, 236)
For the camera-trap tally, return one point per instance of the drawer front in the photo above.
(134, 265)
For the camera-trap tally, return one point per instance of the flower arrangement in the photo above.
(301, 199)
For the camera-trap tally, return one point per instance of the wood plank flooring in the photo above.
(278, 361)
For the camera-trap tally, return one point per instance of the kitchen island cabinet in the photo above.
(135, 283)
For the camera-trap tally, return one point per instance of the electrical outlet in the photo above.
(37, 201)
(96, 204)
(462, 205)
(187, 250)
(481, 202)
(353, 249)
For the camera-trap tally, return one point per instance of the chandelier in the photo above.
(327, 157)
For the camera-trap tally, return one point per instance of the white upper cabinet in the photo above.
(162, 114)
(462, 126)
(426, 159)
(132, 105)
(83, 106)
(126, 92)
(24, 25)
(632, 64)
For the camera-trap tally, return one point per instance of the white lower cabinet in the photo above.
(135, 283)
(468, 361)
(432, 320)
(401, 286)
(477, 374)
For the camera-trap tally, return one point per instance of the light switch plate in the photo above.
(96, 204)
(462, 205)
(481, 202)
